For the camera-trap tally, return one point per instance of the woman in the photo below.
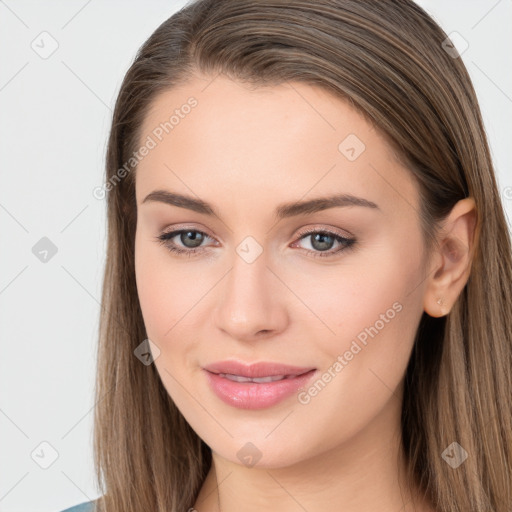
(307, 295)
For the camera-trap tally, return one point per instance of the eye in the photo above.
(190, 238)
(323, 240)
(320, 240)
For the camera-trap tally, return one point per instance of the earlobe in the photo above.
(436, 309)
(442, 306)
(452, 265)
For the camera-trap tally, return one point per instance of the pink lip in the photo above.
(262, 369)
(254, 395)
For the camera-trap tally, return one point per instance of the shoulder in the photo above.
(87, 506)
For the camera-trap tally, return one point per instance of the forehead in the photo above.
(223, 107)
(285, 139)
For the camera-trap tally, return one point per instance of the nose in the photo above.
(252, 301)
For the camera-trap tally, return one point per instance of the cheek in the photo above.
(157, 285)
(375, 318)
(172, 304)
(164, 302)
(377, 285)
(372, 307)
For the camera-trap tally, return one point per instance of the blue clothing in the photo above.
(87, 506)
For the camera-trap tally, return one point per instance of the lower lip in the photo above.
(254, 395)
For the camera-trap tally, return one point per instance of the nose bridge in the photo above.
(250, 301)
(247, 284)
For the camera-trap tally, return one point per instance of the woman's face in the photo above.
(274, 283)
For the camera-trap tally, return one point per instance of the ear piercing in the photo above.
(441, 303)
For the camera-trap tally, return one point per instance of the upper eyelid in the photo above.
(316, 227)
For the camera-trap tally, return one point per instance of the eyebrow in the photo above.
(282, 211)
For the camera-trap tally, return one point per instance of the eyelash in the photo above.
(347, 243)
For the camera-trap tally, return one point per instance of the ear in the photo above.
(451, 262)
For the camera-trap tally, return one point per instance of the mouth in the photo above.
(270, 378)
(256, 386)
(261, 369)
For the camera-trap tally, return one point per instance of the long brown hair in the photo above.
(388, 60)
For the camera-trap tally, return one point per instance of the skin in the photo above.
(246, 151)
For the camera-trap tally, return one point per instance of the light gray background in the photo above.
(55, 115)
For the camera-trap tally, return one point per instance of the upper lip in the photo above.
(254, 370)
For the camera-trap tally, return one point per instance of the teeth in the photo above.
(239, 378)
